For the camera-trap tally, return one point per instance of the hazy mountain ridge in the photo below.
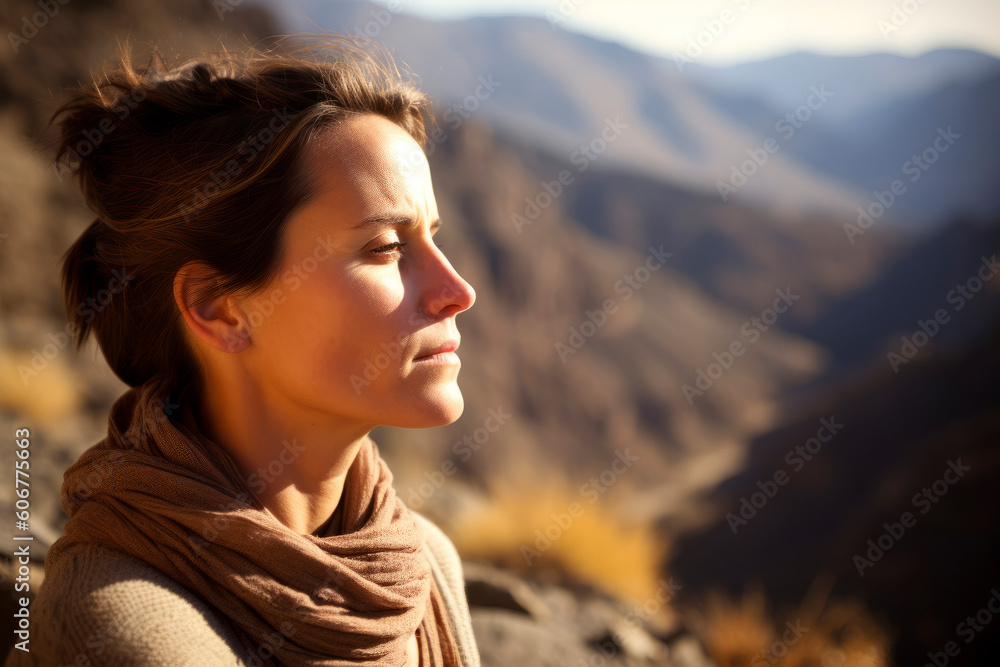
(887, 109)
(695, 125)
(736, 254)
(864, 82)
(559, 88)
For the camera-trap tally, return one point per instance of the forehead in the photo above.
(368, 162)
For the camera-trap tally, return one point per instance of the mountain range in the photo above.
(696, 125)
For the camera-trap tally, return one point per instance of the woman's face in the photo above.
(364, 295)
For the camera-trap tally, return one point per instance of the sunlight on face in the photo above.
(366, 295)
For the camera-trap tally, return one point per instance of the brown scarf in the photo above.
(157, 489)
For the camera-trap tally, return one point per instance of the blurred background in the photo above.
(737, 313)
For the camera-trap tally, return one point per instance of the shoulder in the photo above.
(102, 607)
(446, 565)
(442, 549)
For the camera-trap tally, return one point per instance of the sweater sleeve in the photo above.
(100, 607)
(446, 566)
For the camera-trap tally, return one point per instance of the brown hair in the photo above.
(200, 162)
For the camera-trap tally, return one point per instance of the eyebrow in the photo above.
(392, 220)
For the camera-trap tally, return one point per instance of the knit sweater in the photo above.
(102, 607)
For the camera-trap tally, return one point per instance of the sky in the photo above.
(732, 31)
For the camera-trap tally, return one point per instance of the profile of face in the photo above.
(360, 323)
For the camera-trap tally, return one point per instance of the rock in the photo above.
(508, 638)
(687, 652)
(527, 624)
(489, 587)
(633, 641)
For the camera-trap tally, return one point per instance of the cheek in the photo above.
(334, 329)
(376, 330)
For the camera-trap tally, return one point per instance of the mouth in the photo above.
(443, 353)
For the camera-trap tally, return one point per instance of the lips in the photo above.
(441, 348)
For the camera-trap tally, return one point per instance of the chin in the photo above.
(442, 407)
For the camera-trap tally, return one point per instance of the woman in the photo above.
(262, 273)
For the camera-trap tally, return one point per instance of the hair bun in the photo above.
(203, 74)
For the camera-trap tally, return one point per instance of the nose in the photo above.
(446, 293)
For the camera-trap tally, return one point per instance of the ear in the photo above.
(220, 322)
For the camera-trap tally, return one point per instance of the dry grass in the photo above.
(597, 546)
(742, 633)
(49, 395)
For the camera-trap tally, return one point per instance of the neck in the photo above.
(295, 459)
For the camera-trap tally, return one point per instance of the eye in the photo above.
(388, 248)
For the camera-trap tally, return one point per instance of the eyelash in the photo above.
(381, 250)
(395, 245)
